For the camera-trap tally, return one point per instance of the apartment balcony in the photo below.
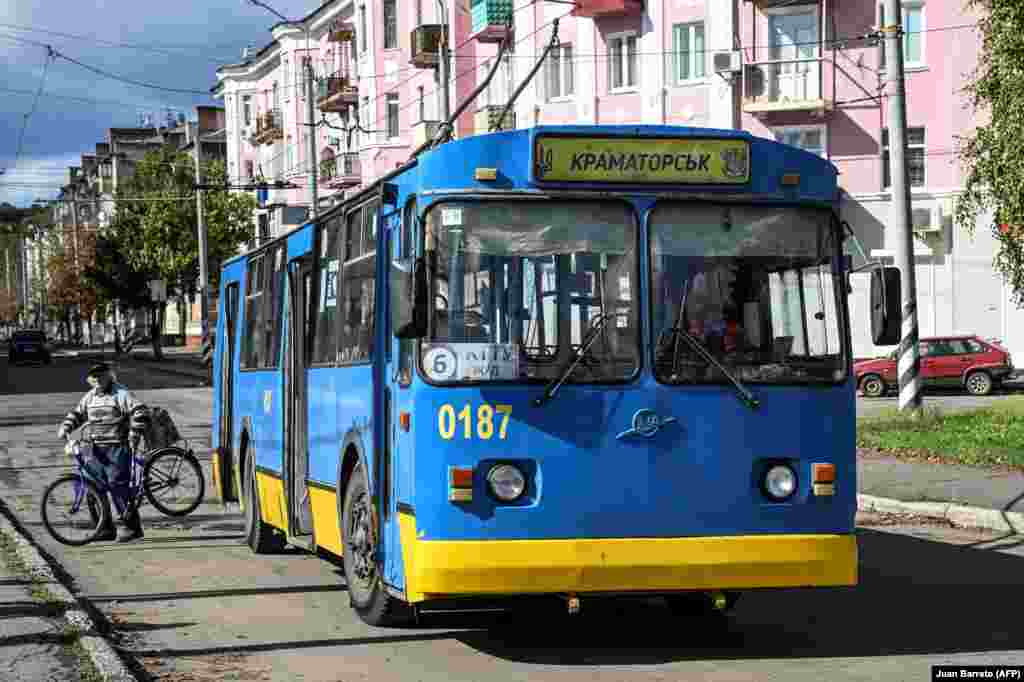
(426, 45)
(336, 93)
(786, 85)
(341, 32)
(268, 127)
(341, 171)
(488, 116)
(490, 20)
(608, 8)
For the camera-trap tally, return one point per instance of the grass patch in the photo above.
(986, 437)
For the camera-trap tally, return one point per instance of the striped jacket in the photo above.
(109, 415)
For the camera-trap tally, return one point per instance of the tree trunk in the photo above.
(117, 334)
(182, 320)
(156, 331)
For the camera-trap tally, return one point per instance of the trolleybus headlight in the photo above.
(780, 482)
(506, 482)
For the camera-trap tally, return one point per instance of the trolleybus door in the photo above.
(296, 469)
(228, 486)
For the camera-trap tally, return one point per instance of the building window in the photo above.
(913, 35)
(362, 28)
(287, 79)
(419, 12)
(250, 169)
(290, 154)
(390, 25)
(247, 109)
(422, 104)
(277, 98)
(810, 139)
(392, 115)
(560, 72)
(622, 62)
(915, 157)
(364, 119)
(688, 52)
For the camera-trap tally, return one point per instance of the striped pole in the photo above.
(909, 363)
(207, 344)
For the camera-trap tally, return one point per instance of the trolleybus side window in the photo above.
(356, 286)
(405, 259)
(252, 349)
(518, 287)
(753, 285)
(325, 330)
(273, 302)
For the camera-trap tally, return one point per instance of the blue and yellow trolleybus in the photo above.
(572, 361)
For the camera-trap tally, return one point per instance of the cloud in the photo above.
(36, 178)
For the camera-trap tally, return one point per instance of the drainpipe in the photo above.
(446, 101)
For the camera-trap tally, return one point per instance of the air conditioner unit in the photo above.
(727, 62)
(927, 220)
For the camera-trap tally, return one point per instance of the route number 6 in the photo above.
(447, 421)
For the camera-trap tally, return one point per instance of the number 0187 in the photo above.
(448, 421)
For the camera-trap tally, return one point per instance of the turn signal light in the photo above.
(790, 179)
(404, 418)
(824, 478)
(460, 484)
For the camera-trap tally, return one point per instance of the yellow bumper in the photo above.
(435, 568)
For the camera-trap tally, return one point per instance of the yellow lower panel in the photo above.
(215, 471)
(446, 568)
(271, 492)
(326, 527)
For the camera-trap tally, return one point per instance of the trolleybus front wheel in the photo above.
(359, 534)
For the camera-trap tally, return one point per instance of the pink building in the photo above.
(802, 73)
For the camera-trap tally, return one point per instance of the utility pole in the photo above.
(204, 276)
(909, 363)
(74, 227)
(310, 133)
(443, 74)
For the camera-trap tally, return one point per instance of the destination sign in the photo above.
(641, 160)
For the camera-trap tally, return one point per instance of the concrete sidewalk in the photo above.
(963, 495)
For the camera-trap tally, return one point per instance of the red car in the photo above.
(967, 361)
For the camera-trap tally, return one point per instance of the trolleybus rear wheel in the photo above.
(359, 535)
(261, 537)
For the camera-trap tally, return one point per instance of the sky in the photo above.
(176, 45)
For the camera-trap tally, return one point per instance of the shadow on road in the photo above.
(67, 375)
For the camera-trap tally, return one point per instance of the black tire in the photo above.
(872, 386)
(173, 463)
(360, 538)
(261, 537)
(93, 502)
(979, 383)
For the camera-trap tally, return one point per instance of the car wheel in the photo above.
(872, 386)
(979, 383)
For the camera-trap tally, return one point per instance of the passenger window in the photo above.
(957, 347)
(405, 257)
(358, 279)
(272, 312)
(325, 333)
(975, 347)
(252, 349)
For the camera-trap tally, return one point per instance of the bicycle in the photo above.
(88, 508)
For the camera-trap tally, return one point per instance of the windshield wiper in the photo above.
(746, 397)
(596, 325)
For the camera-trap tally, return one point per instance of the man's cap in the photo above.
(97, 370)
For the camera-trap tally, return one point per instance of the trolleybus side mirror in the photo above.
(886, 316)
(409, 300)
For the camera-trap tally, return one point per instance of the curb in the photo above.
(956, 514)
(103, 656)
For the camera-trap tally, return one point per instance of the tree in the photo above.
(991, 155)
(157, 237)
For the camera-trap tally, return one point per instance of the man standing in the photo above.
(116, 422)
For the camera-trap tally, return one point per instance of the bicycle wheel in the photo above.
(74, 510)
(173, 481)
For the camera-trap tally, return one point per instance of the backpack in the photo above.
(162, 432)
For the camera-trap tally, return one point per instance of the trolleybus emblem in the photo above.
(646, 423)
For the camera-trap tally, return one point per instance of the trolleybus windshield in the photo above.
(517, 285)
(754, 285)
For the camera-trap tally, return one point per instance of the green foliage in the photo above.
(993, 436)
(991, 154)
(157, 238)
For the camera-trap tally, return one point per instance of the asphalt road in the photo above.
(190, 602)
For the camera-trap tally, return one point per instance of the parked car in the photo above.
(28, 344)
(967, 361)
